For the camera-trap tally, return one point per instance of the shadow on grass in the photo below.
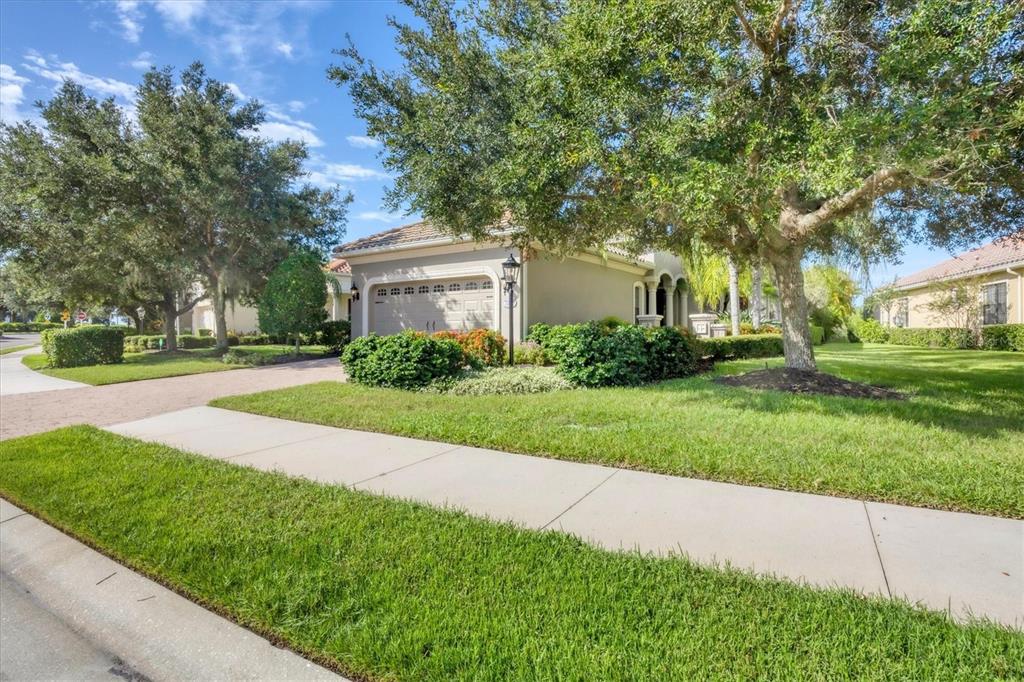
(984, 402)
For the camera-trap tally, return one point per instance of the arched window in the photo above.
(424, 289)
(438, 288)
(382, 292)
(409, 290)
(471, 286)
(487, 284)
(454, 286)
(395, 291)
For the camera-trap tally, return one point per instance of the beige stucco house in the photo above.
(998, 267)
(243, 318)
(416, 277)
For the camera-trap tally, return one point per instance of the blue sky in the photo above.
(276, 52)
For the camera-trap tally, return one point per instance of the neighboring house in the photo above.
(997, 268)
(243, 318)
(417, 277)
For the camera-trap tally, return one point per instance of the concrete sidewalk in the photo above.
(963, 563)
(70, 613)
(16, 378)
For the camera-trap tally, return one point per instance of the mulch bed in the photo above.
(803, 382)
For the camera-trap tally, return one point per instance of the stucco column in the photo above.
(670, 307)
(652, 298)
(335, 307)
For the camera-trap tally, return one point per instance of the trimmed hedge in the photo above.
(189, 341)
(817, 335)
(743, 346)
(1003, 337)
(29, 326)
(992, 337)
(407, 360)
(85, 345)
(947, 337)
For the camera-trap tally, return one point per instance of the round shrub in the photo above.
(671, 353)
(335, 334)
(407, 360)
(871, 331)
(591, 356)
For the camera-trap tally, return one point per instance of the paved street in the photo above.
(966, 563)
(19, 339)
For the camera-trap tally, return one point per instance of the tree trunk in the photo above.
(796, 331)
(220, 316)
(757, 295)
(734, 295)
(170, 307)
(297, 339)
(134, 317)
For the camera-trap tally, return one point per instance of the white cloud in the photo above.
(279, 131)
(247, 33)
(180, 13)
(12, 94)
(58, 72)
(129, 16)
(362, 142)
(143, 62)
(330, 174)
(236, 91)
(380, 216)
(295, 106)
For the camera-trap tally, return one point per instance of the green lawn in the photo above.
(385, 589)
(139, 366)
(956, 443)
(11, 349)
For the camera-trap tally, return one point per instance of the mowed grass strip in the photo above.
(14, 349)
(956, 443)
(141, 366)
(385, 589)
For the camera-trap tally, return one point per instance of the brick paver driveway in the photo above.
(21, 415)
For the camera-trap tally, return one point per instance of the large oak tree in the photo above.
(767, 129)
(140, 212)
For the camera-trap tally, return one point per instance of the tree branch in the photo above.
(747, 28)
(878, 184)
(780, 17)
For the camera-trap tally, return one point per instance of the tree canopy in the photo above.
(293, 299)
(183, 202)
(765, 129)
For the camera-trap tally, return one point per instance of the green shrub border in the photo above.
(84, 345)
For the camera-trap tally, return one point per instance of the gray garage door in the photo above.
(432, 305)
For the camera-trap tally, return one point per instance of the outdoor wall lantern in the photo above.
(510, 270)
(355, 292)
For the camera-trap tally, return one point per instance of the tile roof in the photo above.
(399, 236)
(339, 266)
(1001, 252)
(424, 231)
